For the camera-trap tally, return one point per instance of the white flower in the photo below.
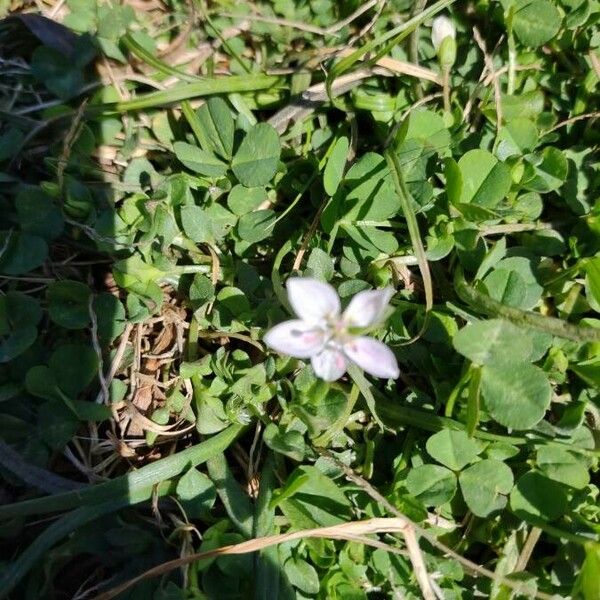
(442, 28)
(326, 336)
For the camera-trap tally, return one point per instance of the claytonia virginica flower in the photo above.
(441, 28)
(327, 336)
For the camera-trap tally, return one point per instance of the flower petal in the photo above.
(312, 300)
(330, 364)
(295, 338)
(372, 356)
(441, 28)
(368, 307)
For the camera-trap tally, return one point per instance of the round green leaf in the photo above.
(242, 200)
(74, 366)
(197, 487)
(22, 252)
(38, 215)
(256, 160)
(68, 304)
(290, 443)
(334, 169)
(485, 342)
(302, 575)
(216, 127)
(480, 179)
(507, 287)
(431, 484)
(17, 342)
(537, 22)
(110, 317)
(525, 269)
(256, 226)
(40, 382)
(199, 160)
(57, 72)
(517, 137)
(452, 448)
(550, 173)
(320, 264)
(196, 223)
(56, 424)
(516, 394)
(537, 497)
(562, 466)
(485, 485)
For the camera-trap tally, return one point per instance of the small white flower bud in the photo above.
(441, 28)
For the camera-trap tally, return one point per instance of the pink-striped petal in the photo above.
(295, 338)
(373, 357)
(368, 307)
(329, 364)
(312, 300)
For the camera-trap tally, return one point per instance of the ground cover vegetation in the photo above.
(179, 179)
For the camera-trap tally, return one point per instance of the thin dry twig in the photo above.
(474, 568)
(490, 67)
(569, 121)
(409, 532)
(307, 238)
(70, 138)
(528, 547)
(118, 358)
(343, 531)
(357, 13)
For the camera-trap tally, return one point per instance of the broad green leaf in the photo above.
(302, 575)
(550, 171)
(57, 72)
(320, 264)
(201, 291)
(587, 585)
(517, 137)
(431, 484)
(242, 200)
(516, 394)
(485, 342)
(21, 252)
(537, 497)
(19, 317)
(562, 466)
(535, 22)
(592, 282)
(40, 382)
(74, 366)
(289, 443)
(196, 487)
(507, 287)
(56, 424)
(217, 127)
(68, 304)
(256, 226)
(199, 160)
(368, 194)
(196, 223)
(37, 214)
(318, 500)
(334, 169)
(452, 448)
(110, 317)
(255, 162)
(485, 486)
(480, 179)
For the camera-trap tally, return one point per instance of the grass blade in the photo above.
(128, 484)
